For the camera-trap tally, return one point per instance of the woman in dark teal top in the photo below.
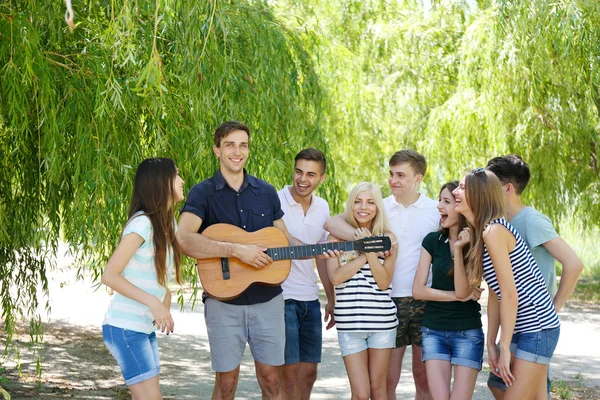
(452, 334)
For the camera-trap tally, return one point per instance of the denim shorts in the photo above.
(537, 347)
(136, 353)
(303, 331)
(355, 342)
(464, 348)
(231, 326)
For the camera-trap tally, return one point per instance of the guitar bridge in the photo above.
(225, 268)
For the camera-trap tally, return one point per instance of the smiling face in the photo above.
(178, 187)
(364, 208)
(233, 152)
(403, 180)
(460, 199)
(308, 175)
(446, 207)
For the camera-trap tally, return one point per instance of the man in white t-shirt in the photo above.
(412, 216)
(305, 215)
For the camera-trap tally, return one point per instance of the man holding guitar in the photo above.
(257, 315)
(305, 214)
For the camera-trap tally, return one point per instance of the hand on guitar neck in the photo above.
(253, 255)
(227, 278)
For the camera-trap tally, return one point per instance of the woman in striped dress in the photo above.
(518, 299)
(364, 312)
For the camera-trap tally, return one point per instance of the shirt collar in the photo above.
(220, 181)
(290, 199)
(420, 203)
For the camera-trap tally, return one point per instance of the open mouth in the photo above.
(443, 218)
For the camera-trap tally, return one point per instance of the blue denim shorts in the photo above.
(537, 347)
(355, 342)
(136, 353)
(303, 331)
(464, 348)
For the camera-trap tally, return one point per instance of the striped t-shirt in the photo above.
(535, 310)
(360, 305)
(124, 312)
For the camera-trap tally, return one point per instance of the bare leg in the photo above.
(379, 361)
(419, 374)
(356, 367)
(464, 382)
(289, 375)
(528, 376)
(226, 384)
(148, 389)
(307, 375)
(439, 373)
(394, 370)
(268, 380)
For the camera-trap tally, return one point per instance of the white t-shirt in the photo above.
(302, 284)
(410, 225)
(124, 312)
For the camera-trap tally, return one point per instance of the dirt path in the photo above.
(78, 366)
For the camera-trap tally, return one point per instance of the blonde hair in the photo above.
(380, 224)
(486, 200)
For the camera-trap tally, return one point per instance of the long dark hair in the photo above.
(153, 195)
(462, 223)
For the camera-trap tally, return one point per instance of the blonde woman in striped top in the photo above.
(364, 312)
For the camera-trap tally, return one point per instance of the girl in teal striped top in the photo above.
(138, 272)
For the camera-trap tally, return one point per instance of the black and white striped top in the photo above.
(535, 309)
(360, 306)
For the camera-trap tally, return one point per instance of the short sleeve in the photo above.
(196, 202)
(141, 225)
(277, 211)
(430, 242)
(540, 230)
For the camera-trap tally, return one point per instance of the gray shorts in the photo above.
(231, 326)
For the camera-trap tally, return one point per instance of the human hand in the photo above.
(464, 238)
(332, 254)
(361, 233)
(503, 368)
(329, 315)
(254, 256)
(493, 358)
(475, 295)
(162, 317)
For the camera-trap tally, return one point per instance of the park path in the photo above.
(78, 309)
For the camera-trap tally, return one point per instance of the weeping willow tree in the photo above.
(464, 81)
(136, 79)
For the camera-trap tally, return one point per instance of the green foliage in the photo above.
(136, 79)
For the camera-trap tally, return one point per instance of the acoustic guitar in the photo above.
(227, 278)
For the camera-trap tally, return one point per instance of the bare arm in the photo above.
(493, 312)
(571, 268)
(500, 242)
(462, 286)
(341, 273)
(382, 273)
(329, 292)
(196, 245)
(112, 278)
(339, 227)
(422, 292)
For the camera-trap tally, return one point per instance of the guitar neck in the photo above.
(307, 250)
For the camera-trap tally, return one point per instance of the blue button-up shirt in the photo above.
(255, 206)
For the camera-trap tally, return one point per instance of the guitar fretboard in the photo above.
(308, 250)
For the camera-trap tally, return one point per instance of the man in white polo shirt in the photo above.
(305, 214)
(412, 216)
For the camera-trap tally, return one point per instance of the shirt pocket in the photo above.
(262, 217)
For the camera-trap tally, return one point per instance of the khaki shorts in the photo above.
(410, 317)
(231, 326)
